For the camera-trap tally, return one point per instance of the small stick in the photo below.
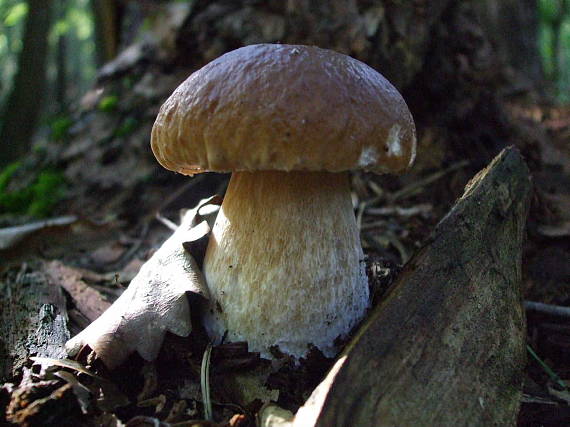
(553, 310)
(412, 188)
(166, 222)
(178, 192)
(422, 208)
(553, 375)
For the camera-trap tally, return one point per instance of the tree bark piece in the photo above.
(447, 345)
(33, 321)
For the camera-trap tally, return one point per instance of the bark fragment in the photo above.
(33, 320)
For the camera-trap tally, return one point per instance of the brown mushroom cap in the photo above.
(284, 107)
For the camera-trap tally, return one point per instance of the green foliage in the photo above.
(37, 199)
(554, 44)
(128, 81)
(12, 17)
(7, 174)
(547, 10)
(72, 21)
(109, 103)
(16, 14)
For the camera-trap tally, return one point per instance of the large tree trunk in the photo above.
(556, 45)
(513, 28)
(23, 107)
(61, 63)
(107, 17)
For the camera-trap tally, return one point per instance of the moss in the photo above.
(36, 199)
(7, 174)
(109, 103)
(46, 192)
(60, 128)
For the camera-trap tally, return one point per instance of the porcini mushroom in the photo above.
(284, 265)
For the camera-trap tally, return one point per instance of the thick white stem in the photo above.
(284, 264)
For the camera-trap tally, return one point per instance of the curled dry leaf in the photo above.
(155, 302)
(11, 236)
(51, 238)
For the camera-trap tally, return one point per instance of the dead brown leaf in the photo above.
(87, 300)
(51, 238)
(107, 254)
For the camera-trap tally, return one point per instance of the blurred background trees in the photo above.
(49, 53)
(554, 32)
(23, 104)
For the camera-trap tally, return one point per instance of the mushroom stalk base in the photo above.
(284, 264)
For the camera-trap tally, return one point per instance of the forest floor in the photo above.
(95, 256)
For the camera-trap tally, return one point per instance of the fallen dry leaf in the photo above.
(250, 385)
(51, 238)
(108, 420)
(87, 300)
(155, 302)
(82, 393)
(11, 236)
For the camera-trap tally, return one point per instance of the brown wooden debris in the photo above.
(33, 320)
(44, 403)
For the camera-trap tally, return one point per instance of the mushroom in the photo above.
(284, 265)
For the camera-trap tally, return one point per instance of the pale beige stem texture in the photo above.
(284, 265)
